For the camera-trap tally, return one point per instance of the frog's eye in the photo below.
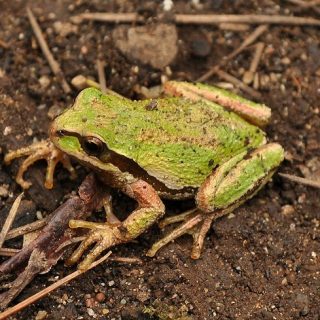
(93, 146)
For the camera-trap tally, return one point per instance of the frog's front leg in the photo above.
(105, 235)
(38, 151)
(231, 184)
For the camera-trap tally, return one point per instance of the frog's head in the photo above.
(85, 131)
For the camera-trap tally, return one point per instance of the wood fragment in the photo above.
(126, 260)
(246, 42)
(4, 44)
(109, 17)
(10, 311)
(245, 18)
(101, 76)
(236, 27)
(304, 181)
(8, 252)
(54, 65)
(238, 83)
(12, 214)
(257, 57)
(249, 75)
(305, 4)
(30, 227)
(201, 18)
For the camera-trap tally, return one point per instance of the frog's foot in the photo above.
(231, 184)
(103, 235)
(195, 223)
(38, 151)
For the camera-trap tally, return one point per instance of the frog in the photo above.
(196, 141)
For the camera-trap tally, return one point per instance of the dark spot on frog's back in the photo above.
(211, 163)
(84, 119)
(152, 105)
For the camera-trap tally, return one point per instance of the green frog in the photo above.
(197, 141)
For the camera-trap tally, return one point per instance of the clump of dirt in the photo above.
(262, 261)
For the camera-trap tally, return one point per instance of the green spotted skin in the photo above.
(175, 140)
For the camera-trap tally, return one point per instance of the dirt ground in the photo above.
(263, 261)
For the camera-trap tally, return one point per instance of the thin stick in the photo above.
(126, 260)
(246, 18)
(8, 252)
(49, 289)
(304, 181)
(238, 83)
(252, 37)
(108, 17)
(54, 65)
(101, 76)
(12, 214)
(20, 231)
(201, 18)
(305, 4)
(257, 57)
(4, 44)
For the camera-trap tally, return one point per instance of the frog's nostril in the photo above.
(61, 133)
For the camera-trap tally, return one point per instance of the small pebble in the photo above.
(200, 47)
(44, 81)
(291, 277)
(91, 313)
(123, 301)
(41, 315)
(100, 297)
(90, 302)
(7, 130)
(4, 191)
(111, 283)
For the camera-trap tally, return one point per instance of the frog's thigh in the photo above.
(239, 179)
(256, 113)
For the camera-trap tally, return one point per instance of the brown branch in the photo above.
(245, 18)
(238, 83)
(30, 227)
(54, 65)
(4, 44)
(304, 181)
(46, 291)
(252, 37)
(8, 252)
(101, 75)
(10, 218)
(201, 18)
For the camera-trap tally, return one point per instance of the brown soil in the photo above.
(260, 263)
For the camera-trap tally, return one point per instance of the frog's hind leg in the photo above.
(255, 113)
(231, 184)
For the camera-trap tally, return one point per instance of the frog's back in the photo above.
(176, 141)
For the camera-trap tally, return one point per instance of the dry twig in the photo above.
(30, 227)
(304, 181)
(8, 252)
(249, 75)
(12, 214)
(245, 18)
(238, 83)
(4, 44)
(201, 18)
(305, 4)
(246, 42)
(101, 75)
(54, 65)
(44, 292)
